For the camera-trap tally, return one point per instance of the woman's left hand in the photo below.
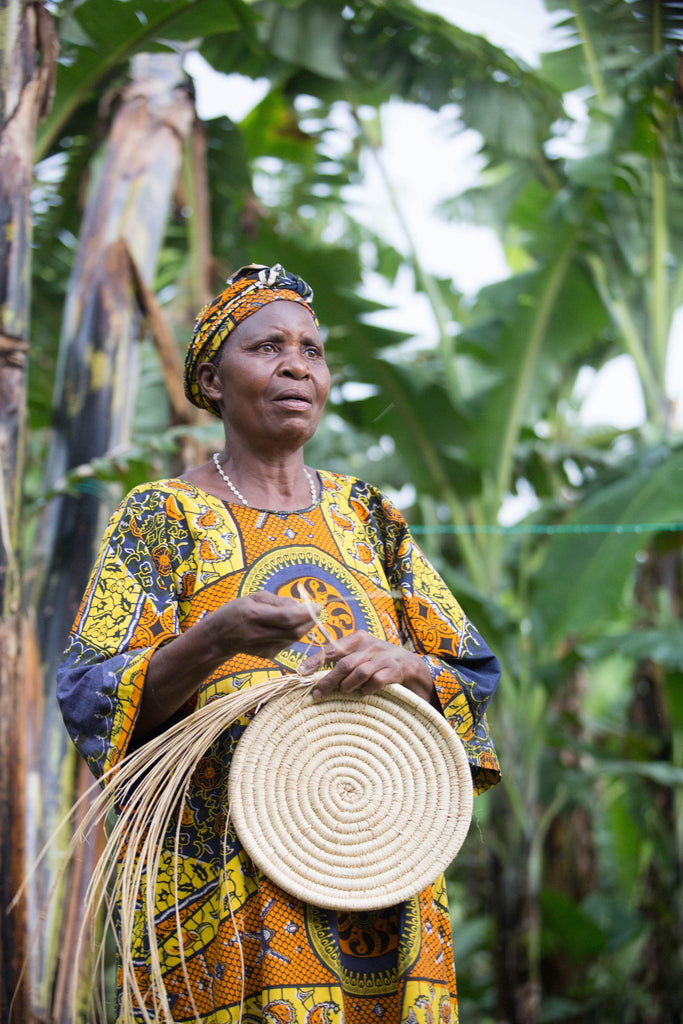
(365, 663)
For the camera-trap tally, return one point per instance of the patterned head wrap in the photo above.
(247, 290)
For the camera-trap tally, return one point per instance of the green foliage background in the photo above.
(566, 900)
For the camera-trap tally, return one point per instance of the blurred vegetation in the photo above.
(567, 899)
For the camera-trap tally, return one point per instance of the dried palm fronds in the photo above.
(149, 787)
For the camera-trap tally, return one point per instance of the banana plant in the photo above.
(594, 243)
(26, 79)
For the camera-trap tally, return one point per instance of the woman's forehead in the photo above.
(282, 315)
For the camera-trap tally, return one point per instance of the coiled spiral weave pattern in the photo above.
(351, 803)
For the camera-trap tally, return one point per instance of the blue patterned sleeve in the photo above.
(127, 612)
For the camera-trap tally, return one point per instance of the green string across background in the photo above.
(553, 528)
(92, 485)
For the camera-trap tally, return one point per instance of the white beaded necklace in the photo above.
(224, 475)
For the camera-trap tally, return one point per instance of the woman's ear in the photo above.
(209, 382)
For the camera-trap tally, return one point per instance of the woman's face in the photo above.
(271, 381)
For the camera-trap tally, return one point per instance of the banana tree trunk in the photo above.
(124, 221)
(27, 65)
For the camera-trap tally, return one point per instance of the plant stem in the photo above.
(425, 280)
(659, 300)
(676, 293)
(525, 377)
(588, 51)
(659, 297)
(623, 319)
(194, 177)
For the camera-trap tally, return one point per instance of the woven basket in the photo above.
(351, 803)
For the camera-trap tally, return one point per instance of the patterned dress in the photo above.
(172, 554)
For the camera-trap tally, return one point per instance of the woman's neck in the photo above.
(274, 481)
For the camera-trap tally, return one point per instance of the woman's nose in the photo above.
(294, 365)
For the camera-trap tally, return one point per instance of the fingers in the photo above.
(281, 612)
(263, 623)
(312, 663)
(336, 649)
(356, 673)
(360, 662)
(365, 664)
(271, 608)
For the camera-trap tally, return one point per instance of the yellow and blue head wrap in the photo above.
(248, 289)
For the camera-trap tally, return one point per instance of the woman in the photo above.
(234, 572)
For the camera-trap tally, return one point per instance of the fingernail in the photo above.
(316, 694)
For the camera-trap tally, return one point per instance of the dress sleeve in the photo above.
(129, 610)
(464, 670)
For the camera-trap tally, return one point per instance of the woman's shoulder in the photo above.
(342, 481)
(173, 496)
(337, 485)
(365, 498)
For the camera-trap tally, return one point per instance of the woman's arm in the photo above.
(129, 667)
(442, 658)
(261, 624)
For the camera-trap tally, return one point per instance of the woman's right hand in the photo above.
(261, 624)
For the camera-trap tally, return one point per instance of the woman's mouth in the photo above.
(293, 400)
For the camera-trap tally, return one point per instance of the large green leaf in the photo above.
(613, 35)
(490, 202)
(308, 36)
(419, 415)
(580, 587)
(537, 325)
(272, 129)
(230, 193)
(659, 645)
(507, 122)
(367, 53)
(567, 928)
(661, 772)
(103, 33)
(565, 68)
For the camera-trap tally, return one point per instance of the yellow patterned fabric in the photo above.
(172, 554)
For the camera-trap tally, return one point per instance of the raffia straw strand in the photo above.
(310, 605)
(149, 785)
(194, 746)
(240, 949)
